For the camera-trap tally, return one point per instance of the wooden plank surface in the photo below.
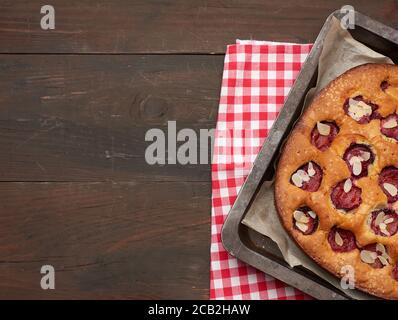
(75, 104)
(105, 240)
(160, 26)
(84, 118)
(76, 191)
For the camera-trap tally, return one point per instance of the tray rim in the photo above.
(230, 230)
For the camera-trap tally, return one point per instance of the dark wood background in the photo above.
(75, 104)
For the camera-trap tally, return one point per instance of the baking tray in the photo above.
(258, 250)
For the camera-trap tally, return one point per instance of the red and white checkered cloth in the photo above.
(257, 78)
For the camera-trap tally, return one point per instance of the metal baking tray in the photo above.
(258, 250)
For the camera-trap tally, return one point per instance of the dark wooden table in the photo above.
(75, 104)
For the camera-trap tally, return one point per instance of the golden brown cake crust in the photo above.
(328, 105)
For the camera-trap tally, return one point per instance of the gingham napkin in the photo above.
(256, 80)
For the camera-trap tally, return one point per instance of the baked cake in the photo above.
(336, 186)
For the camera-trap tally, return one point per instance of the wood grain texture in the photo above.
(105, 240)
(84, 118)
(160, 26)
(75, 189)
(75, 104)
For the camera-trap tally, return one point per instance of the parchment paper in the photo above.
(340, 53)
